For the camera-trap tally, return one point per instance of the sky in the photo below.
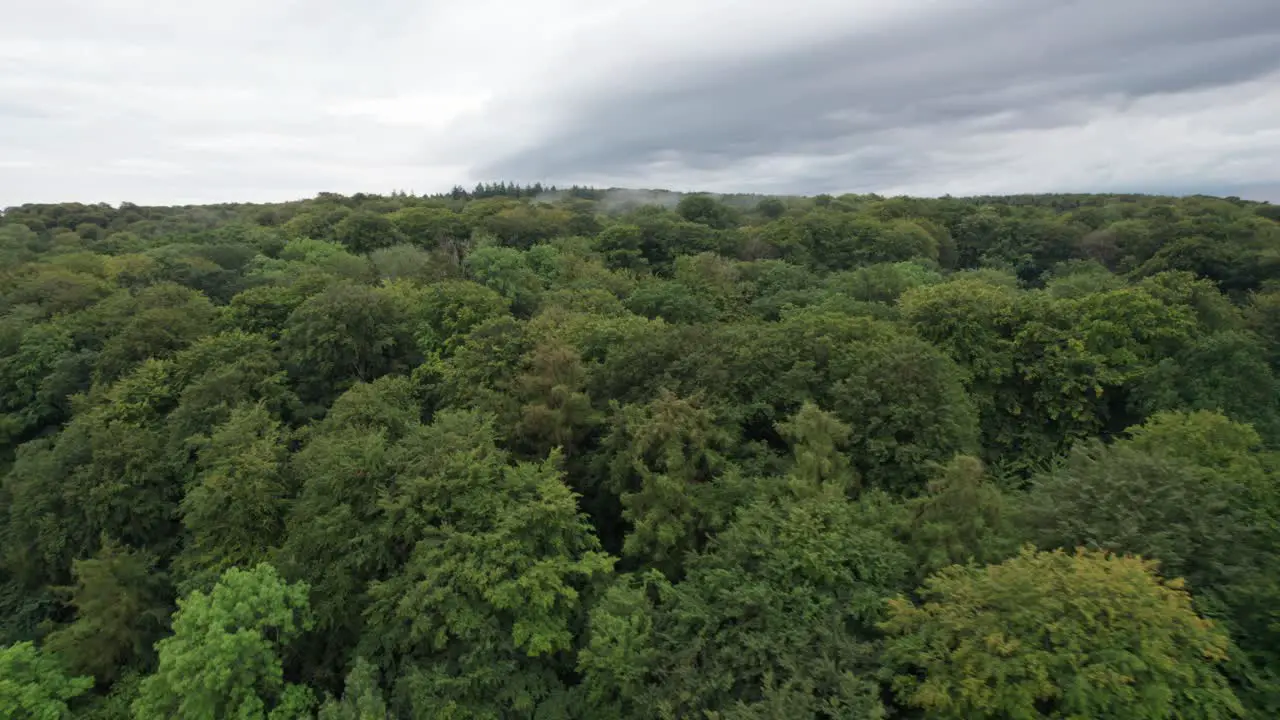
(160, 102)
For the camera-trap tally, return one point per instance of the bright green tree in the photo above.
(506, 271)
(223, 659)
(453, 308)
(34, 685)
(659, 460)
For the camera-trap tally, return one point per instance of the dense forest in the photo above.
(526, 452)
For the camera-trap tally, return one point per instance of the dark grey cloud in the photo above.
(1000, 67)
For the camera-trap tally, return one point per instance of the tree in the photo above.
(557, 413)
(1193, 492)
(659, 460)
(771, 208)
(106, 474)
(317, 222)
(303, 255)
(505, 270)
(264, 309)
(362, 699)
(347, 333)
(362, 232)
(779, 612)
(1155, 495)
(883, 282)
(500, 567)
(962, 518)
(122, 603)
(428, 227)
(223, 659)
(1225, 371)
(234, 512)
(903, 398)
(219, 373)
(819, 442)
(161, 320)
(407, 262)
(706, 210)
(1051, 634)
(33, 684)
(672, 301)
(1263, 317)
(520, 224)
(620, 245)
(453, 308)
(32, 397)
(332, 542)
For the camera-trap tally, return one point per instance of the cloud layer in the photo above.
(110, 100)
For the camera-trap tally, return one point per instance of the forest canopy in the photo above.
(527, 452)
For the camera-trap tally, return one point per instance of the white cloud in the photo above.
(1212, 138)
(200, 101)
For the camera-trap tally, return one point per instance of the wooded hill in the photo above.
(525, 452)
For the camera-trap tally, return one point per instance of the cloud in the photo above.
(275, 99)
(1100, 94)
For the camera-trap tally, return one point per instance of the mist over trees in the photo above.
(533, 452)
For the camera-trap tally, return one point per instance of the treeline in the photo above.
(480, 455)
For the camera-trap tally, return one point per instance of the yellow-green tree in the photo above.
(1057, 635)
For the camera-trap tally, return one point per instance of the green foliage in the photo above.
(1048, 371)
(121, 603)
(326, 256)
(362, 699)
(223, 659)
(428, 227)
(1058, 635)
(661, 458)
(557, 412)
(706, 210)
(576, 453)
(672, 301)
(161, 320)
(452, 308)
(1227, 372)
(362, 232)
(885, 282)
(33, 684)
(495, 583)
(347, 333)
(963, 518)
(771, 208)
(348, 459)
(779, 612)
(863, 364)
(506, 271)
(1081, 278)
(234, 511)
(1192, 492)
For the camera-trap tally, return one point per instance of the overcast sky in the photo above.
(175, 101)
